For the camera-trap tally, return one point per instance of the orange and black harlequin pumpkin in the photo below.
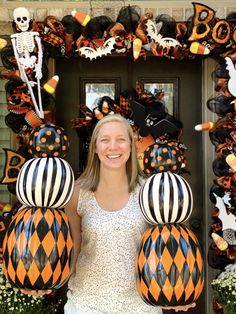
(5, 219)
(48, 140)
(160, 157)
(38, 249)
(169, 266)
(45, 182)
(166, 198)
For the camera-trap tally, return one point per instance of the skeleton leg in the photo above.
(40, 100)
(26, 80)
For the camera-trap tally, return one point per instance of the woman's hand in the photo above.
(179, 307)
(36, 293)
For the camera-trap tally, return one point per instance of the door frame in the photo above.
(208, 155)
(208, 66)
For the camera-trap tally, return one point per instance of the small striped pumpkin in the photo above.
(45, 182)
(38, 249)
(166, 198)
(169, 266)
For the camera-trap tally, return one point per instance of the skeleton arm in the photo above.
(17, 56)
(38, 65)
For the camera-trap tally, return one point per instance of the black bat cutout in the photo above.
(149, 124)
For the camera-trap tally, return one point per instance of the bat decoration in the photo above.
(150, 124)
(153, 33)
(13, 164)
(228, 220)
(232, 74)
(91, 53)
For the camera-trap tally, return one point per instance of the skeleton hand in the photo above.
(38, 71)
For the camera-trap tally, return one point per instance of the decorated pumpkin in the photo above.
(166, 198)
(48, 140)
(161, 157)
(45, 182)
(169, 266)
(38, 249)
(142, 144)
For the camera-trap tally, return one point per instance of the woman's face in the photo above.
(113, 145)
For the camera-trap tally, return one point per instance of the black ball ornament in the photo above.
(48, 140)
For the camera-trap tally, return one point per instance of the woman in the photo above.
(107, 225)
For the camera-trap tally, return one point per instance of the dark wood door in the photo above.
(189, 76)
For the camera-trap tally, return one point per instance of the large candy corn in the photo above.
(81, 17)
(51, 85)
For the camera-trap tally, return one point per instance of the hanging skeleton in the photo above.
(24, 45)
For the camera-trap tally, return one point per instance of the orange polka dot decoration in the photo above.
(160, 157)
(169, 266)
(48, 140)
(38, 249)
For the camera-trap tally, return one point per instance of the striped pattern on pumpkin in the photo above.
(166, 198)
(45, 182)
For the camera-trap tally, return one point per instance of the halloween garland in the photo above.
(31, 105)
(222, 194)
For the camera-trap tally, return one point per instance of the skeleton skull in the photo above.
(21, 18)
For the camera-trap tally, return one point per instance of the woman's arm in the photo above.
(75, 224)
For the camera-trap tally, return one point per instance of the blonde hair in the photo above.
(89, 179)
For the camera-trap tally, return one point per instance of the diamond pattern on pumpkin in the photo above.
(170, 270)
(154, 289)
(40, 256)
(152, 260)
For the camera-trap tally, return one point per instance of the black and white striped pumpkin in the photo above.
(45, 182)
(166, 198)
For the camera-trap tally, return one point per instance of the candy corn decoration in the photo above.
(3, 43)
(51, 84)
(137, 45)
(231, 161)
(219, 241)
(199, 49)
(206, 126)
(81, 17)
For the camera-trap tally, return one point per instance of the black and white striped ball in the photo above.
(166, 198)
(45, 182)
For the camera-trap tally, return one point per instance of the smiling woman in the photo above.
(105, 208)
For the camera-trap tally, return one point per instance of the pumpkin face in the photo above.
(45, 182)
(166, 198)
(48, 140)
(38, 249)
(169, 266)
(162, 157)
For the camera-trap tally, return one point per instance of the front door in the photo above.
(187, 77)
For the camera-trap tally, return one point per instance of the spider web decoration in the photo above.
(97, 8)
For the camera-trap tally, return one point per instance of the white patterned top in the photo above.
(105, 277)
